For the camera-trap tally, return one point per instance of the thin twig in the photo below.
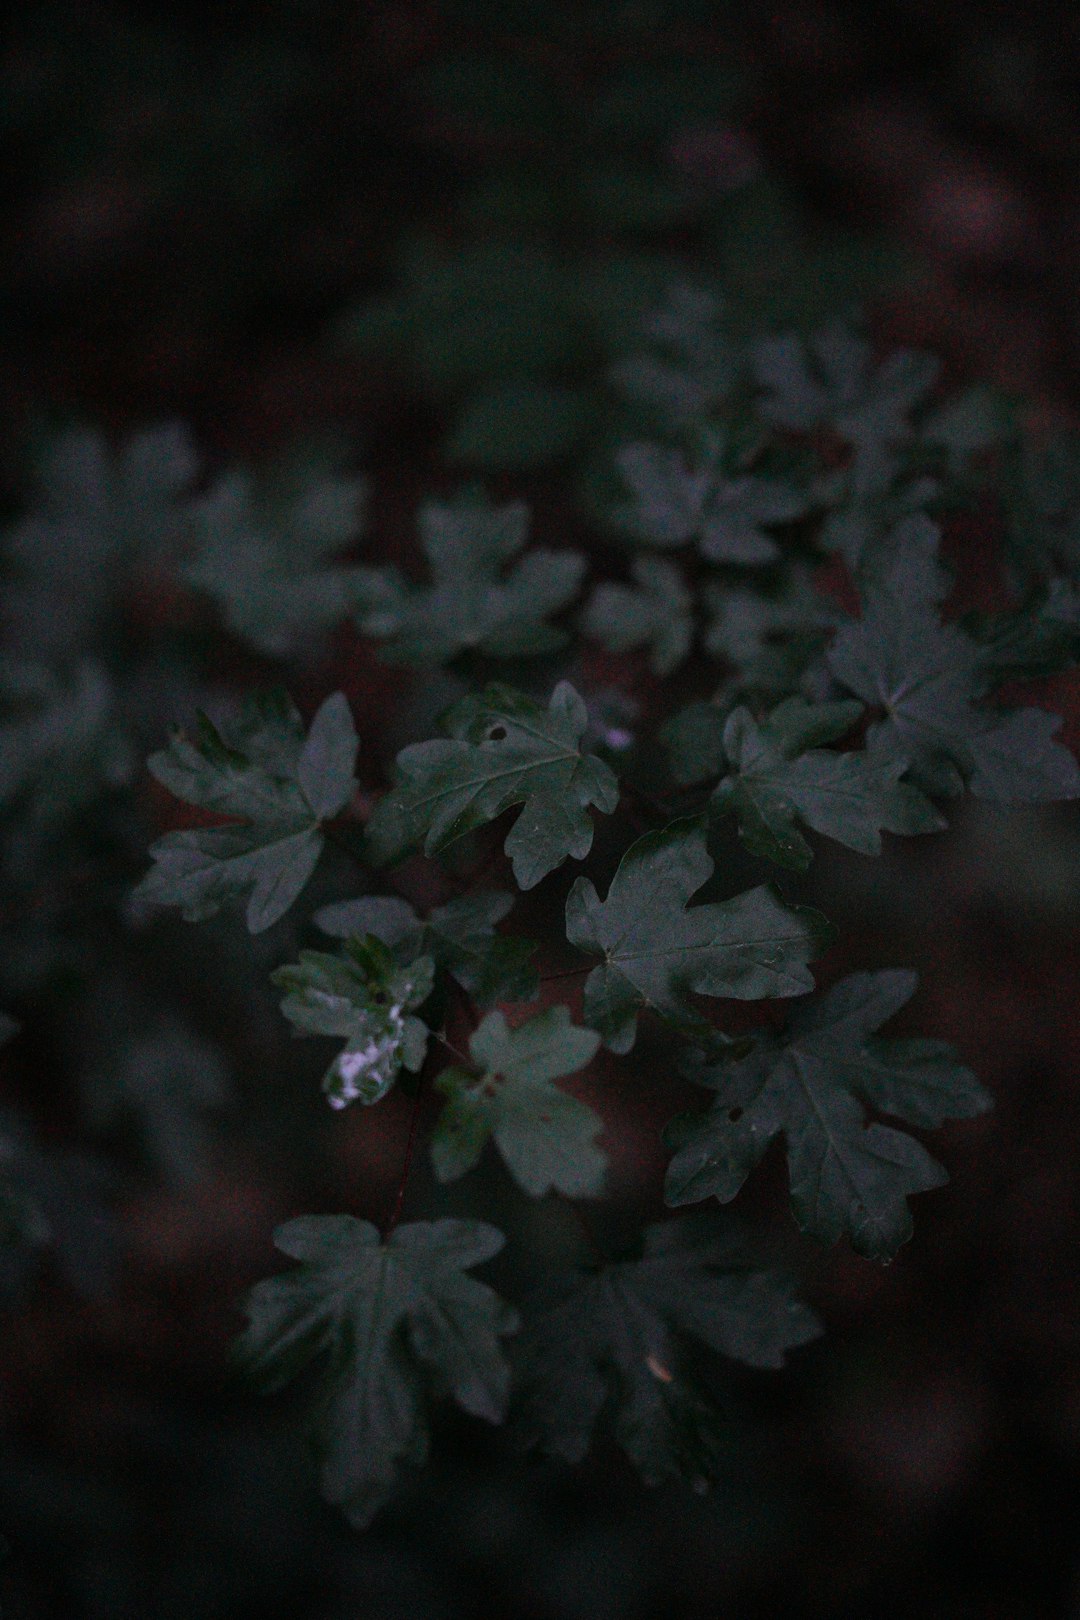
(570, 973)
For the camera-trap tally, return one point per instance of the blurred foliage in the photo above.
(367, 253)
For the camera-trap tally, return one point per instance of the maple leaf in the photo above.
(768, 636)
(657, 950)
(676, 498)
(480, 598)
(60, 743)
(96, 515)
(460, 937)
(778, 777)
(830, 381)
(655, 612)
(691, 364)
(926, 675)
(279, 784)
(504, 749)
(364, 996)
(809, 1083)
(608, 1345)
(267, 553)
(390, 1323)
(544, 1135)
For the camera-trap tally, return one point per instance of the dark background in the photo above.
(197, 196)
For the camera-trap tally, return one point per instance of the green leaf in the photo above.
(165, 1082)
(675, 500)
(61, 746)
(477, 601)
(809, 1083)
(96, 515)
(830, 381)
(769, 636)
(657, 951)
(267, 554)
(777, 779)
(926, 674)
(544, 1135)
(691, 364)
(609, 1346)
(460, 937)
(281, 785)
(694, 737)
(390, 1323)
(655, 612)
(364, 996)
(504, 750)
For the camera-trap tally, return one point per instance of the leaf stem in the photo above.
(410, 1148)
(585, 1221)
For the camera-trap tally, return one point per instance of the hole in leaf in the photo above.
(496, 734)
(734, 1115)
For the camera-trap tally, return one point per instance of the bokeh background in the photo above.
(266, 221)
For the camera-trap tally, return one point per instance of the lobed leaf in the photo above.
(504, 750)
(658, 951)
(808, 1083)
(391, 1323)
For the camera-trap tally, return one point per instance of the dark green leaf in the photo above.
(267, 554)
(391, 1324)
(479, 598)
(263, 773)
(610, 1344)
(544, 1135)
(926, 674)
(846, 1176)
(831, 381)
(504, 750)
(676, 499)
(655, 612)
(657, 951)
(778, 779)
(691, 364)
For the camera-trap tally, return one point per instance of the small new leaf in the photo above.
(610, 1345)
(279, 786)
(364, 996)
(809, 1083)
(391, 1324)
(504, 749)
(545, 1136)
(658, 951)
(778, 778)
(460, 937)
